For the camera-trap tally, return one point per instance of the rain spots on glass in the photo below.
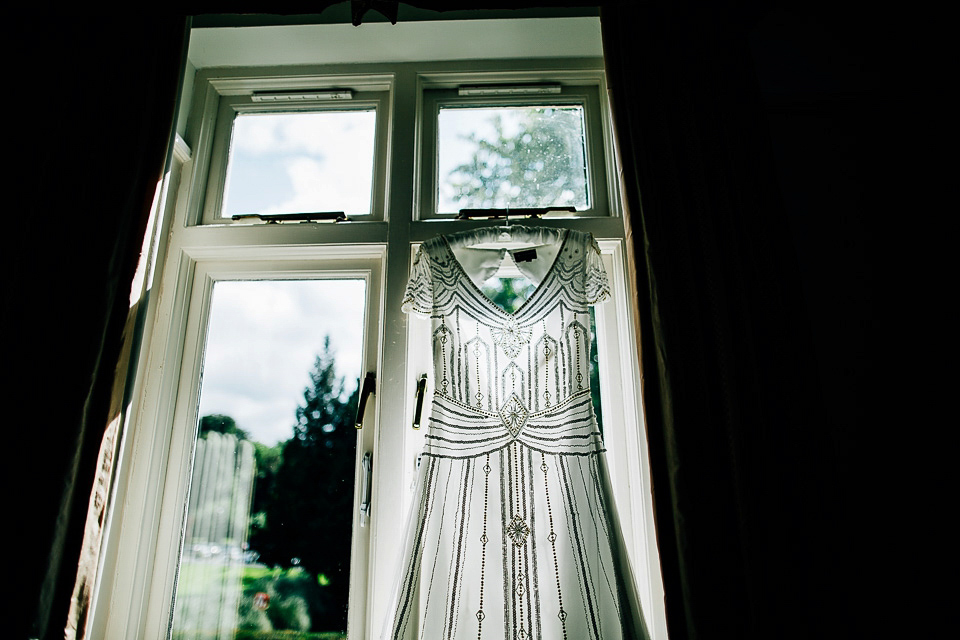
(499, 157)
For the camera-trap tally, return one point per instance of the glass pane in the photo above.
(301, 163)
(496, 157)
(269, 519)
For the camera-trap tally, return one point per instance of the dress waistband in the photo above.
(457, 430)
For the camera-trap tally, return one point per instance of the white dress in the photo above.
(512, 534)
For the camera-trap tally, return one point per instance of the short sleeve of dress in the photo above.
(418, 297)
(596, 287)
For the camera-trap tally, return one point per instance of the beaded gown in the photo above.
(512, 534)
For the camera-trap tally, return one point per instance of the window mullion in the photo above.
(394, 389)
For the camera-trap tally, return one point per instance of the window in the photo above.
(307, 148)
(250, 283)
(514, 146)
(270, 488)
(300, 162)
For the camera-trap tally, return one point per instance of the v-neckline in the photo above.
(533, 294)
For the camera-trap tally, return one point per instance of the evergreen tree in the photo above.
(308, 519)
(539, 164)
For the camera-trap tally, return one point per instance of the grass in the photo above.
(289, 635)
(244, 634)
(201, 578)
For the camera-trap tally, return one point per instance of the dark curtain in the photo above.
(93, 129)
(745, 478)
(749, 495)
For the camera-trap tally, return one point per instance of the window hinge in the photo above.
(273, 218)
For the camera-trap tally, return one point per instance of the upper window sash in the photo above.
(584, 96)
(231, 97)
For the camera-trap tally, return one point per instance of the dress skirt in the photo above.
(512, 536)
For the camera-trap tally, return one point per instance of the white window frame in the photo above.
(227, 97)
(137, 576)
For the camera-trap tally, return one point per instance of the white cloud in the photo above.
(262, 340)
(327, 156)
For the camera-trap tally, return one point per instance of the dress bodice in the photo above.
(485, 357)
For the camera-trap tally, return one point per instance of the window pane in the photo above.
(269, 520)
(496, 157)
(300, 163)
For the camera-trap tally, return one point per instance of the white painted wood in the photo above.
(144, 529)
(625, 436)
(402, 42)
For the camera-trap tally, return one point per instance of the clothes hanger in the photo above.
(503, 240)
(506, 238)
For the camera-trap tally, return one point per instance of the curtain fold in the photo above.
(96, 139)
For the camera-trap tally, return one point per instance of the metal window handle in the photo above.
(365, 488)
(421, 388)
(369, 386)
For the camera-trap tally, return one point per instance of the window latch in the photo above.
(421, 389)
(530, 212)
(365, 488)
(369, 386)
(274, 218)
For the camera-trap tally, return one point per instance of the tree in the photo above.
(508, 293)
(309, 516)
(538, 162)
(221, 424)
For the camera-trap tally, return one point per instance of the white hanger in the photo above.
(504, 239)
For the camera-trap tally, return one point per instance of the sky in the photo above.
(262, 340)
(301, 162)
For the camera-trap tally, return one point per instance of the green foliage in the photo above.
(595, 371)
(269, 460)
(248, 634)
(308, 509)
(539, 165)
(221, 424)
(301, 514)
(508, 293)
(295, 602)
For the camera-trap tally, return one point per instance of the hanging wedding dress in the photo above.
(512, 535)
